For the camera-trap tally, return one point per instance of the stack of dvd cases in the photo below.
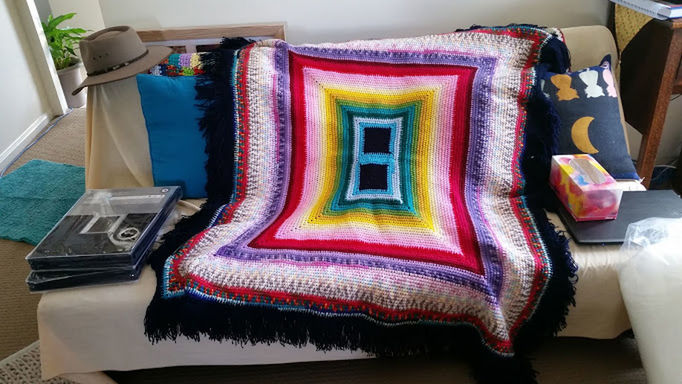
(104, 238)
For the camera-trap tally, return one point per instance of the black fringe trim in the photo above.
(541, 142)
(214, 93)
(241, 324)
(215, 97)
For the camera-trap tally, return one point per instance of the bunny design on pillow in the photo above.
(590, 78)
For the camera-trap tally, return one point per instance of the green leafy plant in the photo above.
(62, 41)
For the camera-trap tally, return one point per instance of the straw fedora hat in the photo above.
(116, 53)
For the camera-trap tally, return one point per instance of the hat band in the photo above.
(117, 66)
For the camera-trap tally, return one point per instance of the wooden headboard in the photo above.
(198, 39)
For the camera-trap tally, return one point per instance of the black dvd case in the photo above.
(49, 280)
(108, 232)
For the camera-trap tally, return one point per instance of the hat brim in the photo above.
(155, 55)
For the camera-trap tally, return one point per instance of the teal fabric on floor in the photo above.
(34, 197)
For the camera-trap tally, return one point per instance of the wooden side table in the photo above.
(650, 74)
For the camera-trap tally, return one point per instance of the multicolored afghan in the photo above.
(179, 64)
(386, 196)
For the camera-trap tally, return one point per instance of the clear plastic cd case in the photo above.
(106, 228)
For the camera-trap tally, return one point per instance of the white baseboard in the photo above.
(7, 155)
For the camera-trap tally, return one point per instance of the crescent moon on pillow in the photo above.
(580, 135)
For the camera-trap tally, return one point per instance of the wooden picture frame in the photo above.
(199, 39)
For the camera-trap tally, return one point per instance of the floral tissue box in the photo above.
(584, 187)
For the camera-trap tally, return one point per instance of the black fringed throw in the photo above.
(382, 195)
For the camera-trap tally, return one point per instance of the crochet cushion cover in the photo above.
(387, 196)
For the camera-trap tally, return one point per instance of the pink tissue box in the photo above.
(584, 187)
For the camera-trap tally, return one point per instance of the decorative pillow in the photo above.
(176, 144)
(587, 104)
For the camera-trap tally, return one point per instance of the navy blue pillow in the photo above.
(176, 145)
(587, 104)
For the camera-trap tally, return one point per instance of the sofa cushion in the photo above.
(176, 144)
(587, 104)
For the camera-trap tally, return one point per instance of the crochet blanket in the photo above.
(379, 195)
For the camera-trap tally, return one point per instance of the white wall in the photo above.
(22, 104)
(671, 141)
(43, 7)
(88, 13)
(322, 20)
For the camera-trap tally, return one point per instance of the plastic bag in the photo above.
(651, 284)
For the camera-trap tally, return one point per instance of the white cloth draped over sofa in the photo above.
(101, 328)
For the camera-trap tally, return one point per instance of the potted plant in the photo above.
(62, 43)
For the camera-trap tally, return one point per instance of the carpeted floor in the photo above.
(559, 361)
(18, 326)
(23, 367)
(65, 143)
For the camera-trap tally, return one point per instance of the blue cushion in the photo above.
(176, 144)
(587, 104)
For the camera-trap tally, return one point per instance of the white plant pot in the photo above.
(70, 78)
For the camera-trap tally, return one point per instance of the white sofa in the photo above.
(87, 330)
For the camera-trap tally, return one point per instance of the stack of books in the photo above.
(655, 8)
(104, 238)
